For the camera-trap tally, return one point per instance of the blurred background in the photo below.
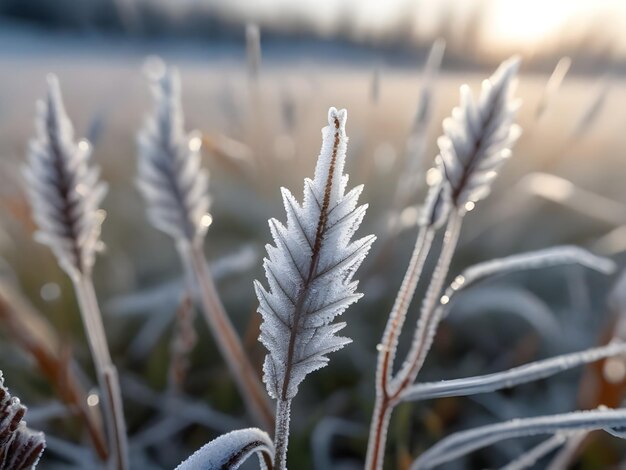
(258, 78)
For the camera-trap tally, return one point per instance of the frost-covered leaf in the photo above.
(170, 176)
(230, 450)
(20, 447)
(309, 270)
(64, 189)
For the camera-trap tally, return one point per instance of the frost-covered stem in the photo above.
(108, 382)
(281, 437)
(227, 340)
(421, 344)
(531, 457)
(378, 432)
(428, 321)
(389, 345)
(564, 458)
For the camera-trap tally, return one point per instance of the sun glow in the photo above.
(525, 24)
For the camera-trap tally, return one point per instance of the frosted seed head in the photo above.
(170, 176)
(478, 137)
(64, 189)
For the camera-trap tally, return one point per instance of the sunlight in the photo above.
(523, 25)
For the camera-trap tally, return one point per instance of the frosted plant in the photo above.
(478, 137)
(170, 176)
(20, 447)
(309, 273)
(476, 141)
(65, 194)
(463, 442)
(530, 458)
(230, 450)
(64, 189)
(175, 188)
(511, 377)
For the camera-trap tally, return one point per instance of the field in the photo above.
(564, 185)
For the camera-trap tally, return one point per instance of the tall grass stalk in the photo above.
(65, 194)
(227, 339)
(108, 380)
(176, 190)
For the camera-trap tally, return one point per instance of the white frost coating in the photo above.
(549, 257)
(65, 191)
(512, 377)
(310, 269)
(478, 136)
(170, 176)
(230, 450)
(567, 453)
(20, 447)
(464, 442)
(529, 459)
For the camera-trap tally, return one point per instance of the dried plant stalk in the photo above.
(182, 344)
(33, 334)
(176, 189)
(65, 194)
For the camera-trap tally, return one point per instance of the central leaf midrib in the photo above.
(295, 329)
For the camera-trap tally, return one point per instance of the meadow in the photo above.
(563, 185)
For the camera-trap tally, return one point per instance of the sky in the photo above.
(527, 26)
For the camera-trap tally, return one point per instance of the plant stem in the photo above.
(387, 393)
(389, 345)
(428, 321)
(228, 342)
(108, 382)
(281, 437)
(378, 432)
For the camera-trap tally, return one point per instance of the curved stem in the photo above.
(389, 344)
(429, 319)
(387, 393)
(228, 342)
(281, 437)
(378, 433)
(108, 381)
